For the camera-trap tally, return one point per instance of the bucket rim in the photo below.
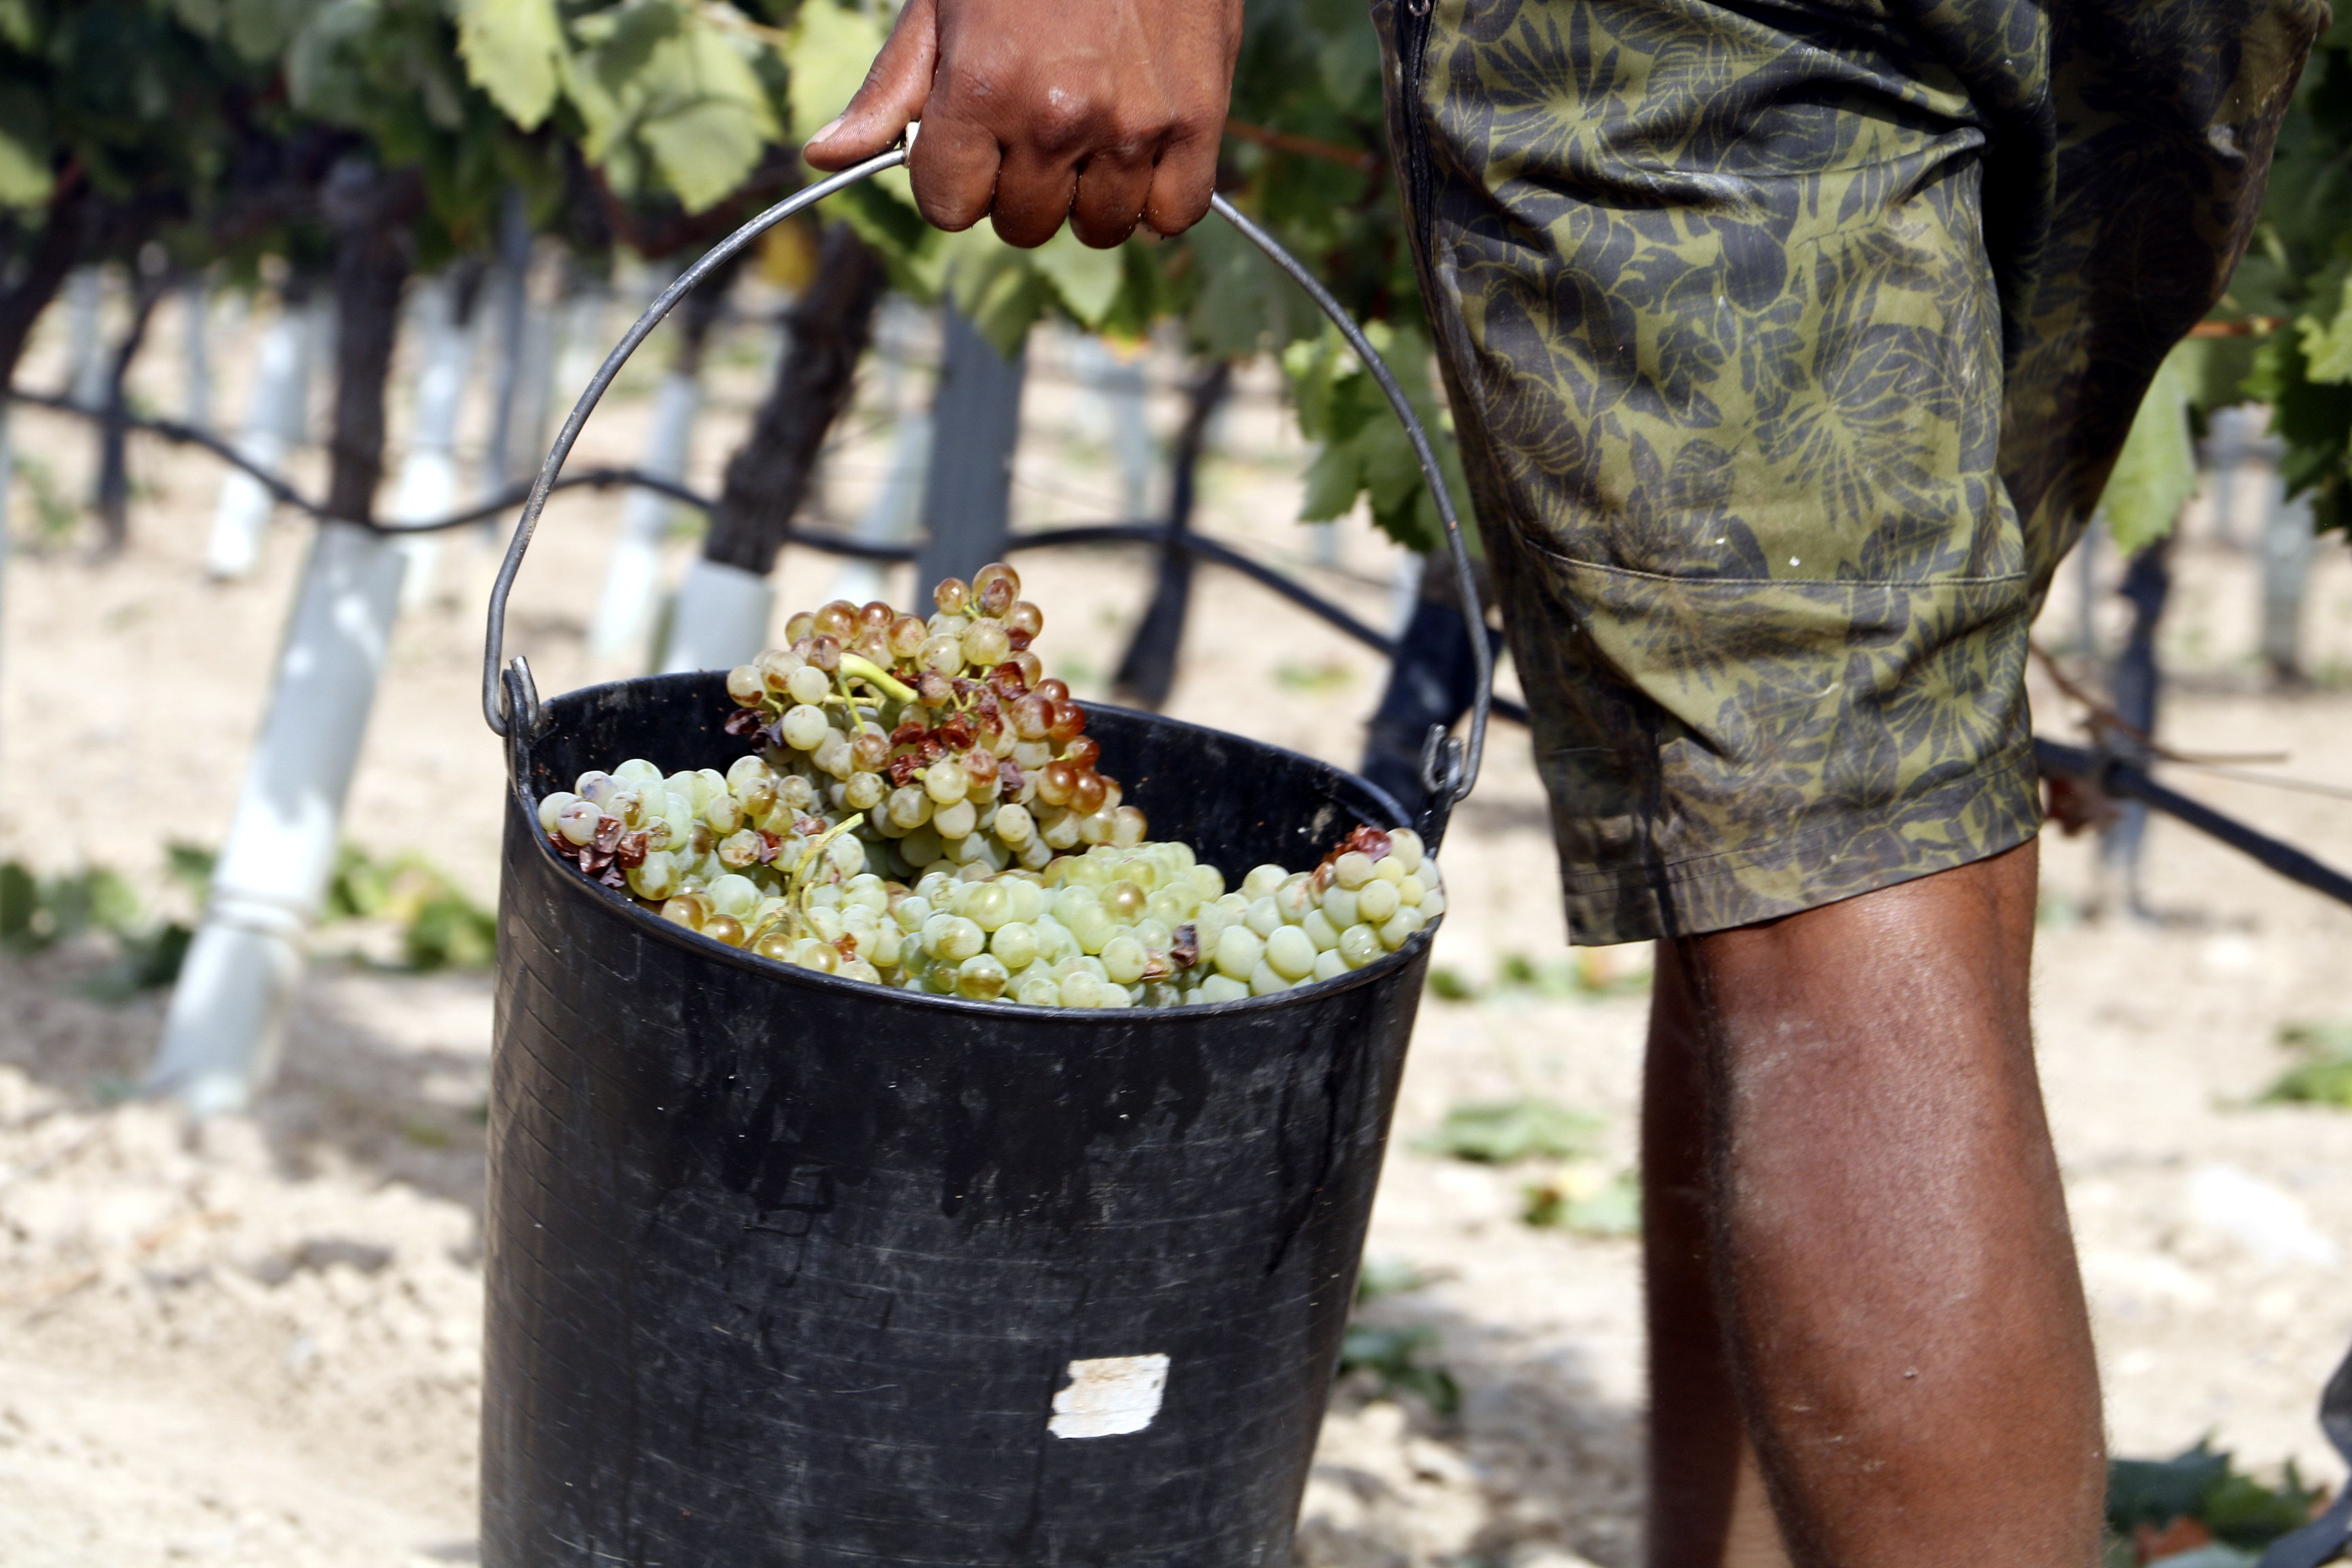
(626, 906)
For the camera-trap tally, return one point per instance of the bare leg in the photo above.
(1893, 1284)
(1707, 1507)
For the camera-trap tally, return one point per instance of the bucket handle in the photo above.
(1448, 769)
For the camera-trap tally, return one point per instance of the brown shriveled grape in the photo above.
(997, 587)
(1052, 689)
(869, 751)
(1069, 723)
(982, 766)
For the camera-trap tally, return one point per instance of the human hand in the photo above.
(1108, 112)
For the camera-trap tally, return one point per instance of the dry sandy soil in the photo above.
(256, 1341)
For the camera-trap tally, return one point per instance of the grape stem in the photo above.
(873, 674)
(801, 886)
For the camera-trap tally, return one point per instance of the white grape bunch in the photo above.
(925, 810)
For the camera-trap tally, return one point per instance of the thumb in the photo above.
(893, 95)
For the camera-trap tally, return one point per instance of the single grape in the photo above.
(863, 791)
(774, 944)
(947, 781)
(955, 821)
(796, 793)
(803, 727)
(1069, 723)
(1082, 990)
(1123, 959)
(1360, 944)
(982, 977)
(726, 928)
(738, 850)
(996, 586)
(1026, 619)
(1125, 902)
(810, 954)
(688, 910)
(838, 619)
(550, 807)
(1264, 981)
(1127, 826)
(736, 896)
(986, 904)
(1432, 905)
(1016, 943)
(1339, 906)
(1097, 828)
(654, 877)
(807, 684)
(1291, 954)
(825, 922)
(982, 771)
(1265, 917)
(799, 626)
(1330, 965)
(951, 595)
(1377, 901)
(724, 813)
(1056, 783)
(1400, 927)
(637, 772)
(746, 684)
(906, 634)
(1039, 991)
(1352, 870)
(1086, 794)
(1262, 881)
(961, 938)
(825, 652)
(985, 644)
(909, 807)
(1239, 949)
(847, 855)
(1090, 924)
(1295, 898)
(832, 754)
(577, 821)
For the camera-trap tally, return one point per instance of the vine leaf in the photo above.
(2157, 472)
(513, 51)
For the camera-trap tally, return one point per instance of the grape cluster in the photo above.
(925, 809)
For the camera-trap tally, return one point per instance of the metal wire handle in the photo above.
(1448, 769)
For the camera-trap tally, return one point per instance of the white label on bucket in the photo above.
(1110, 1397)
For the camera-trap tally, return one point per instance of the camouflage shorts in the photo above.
(1789, 343)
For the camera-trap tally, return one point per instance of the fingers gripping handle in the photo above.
(510, 703)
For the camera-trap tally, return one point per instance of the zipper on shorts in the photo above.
(1412, 28)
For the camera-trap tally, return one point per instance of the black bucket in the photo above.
(791, 1269)
(787, 1269)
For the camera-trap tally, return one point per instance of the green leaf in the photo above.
(24, 178)
(1087, 279)
(2327, 344)
(2157, 472)
(828, 52)
(513, 51)
(1504, 1131)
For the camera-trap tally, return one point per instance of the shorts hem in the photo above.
(1707, 893)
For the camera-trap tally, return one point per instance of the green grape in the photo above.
(552, 808)
(1339, 906)
(1125, 901)
(1290, 953)
(1091, 924)
(864, 791)
(808, 686)
(1321, 931)
(577, 821)
(955, 821)
(1376, 902)
(988, 905)
(1399, 928)
(723, 811)
(858, 969)
(1264, 981)
(1039, 991)
(1016, 943)
(1352, 870)
(826, 923)
(1155, 934)
(1262, 881)
(1360, 944)
(637, 774)
(656, 878)
(810, 954)
(1082, 989)
(1432, 905)
(735, 896)
(1123, 959)
(803, 727)
(1221, 988)
(1406, 849)
(1014, 824)
(960, 939)
(1239, 950)
(1264, 918)
(982, 977)
(1330, 965)
(1207, 882)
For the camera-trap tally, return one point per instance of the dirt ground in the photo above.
(257, 1342)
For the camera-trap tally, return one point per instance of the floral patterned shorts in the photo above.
(1790, 344)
